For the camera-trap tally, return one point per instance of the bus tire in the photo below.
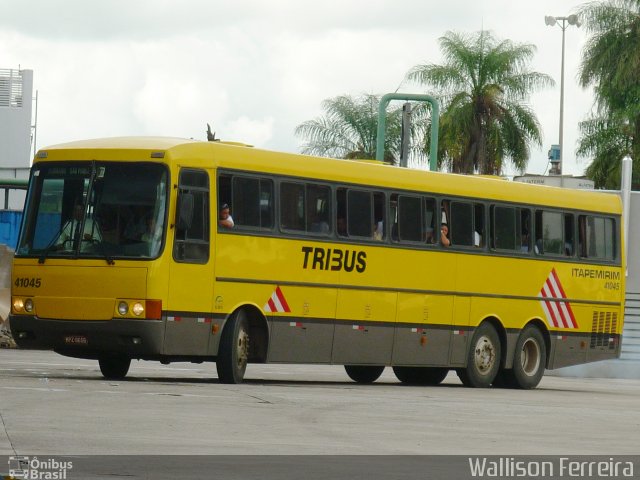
(483, 360)
(114, 367)
(529, 358)
(364, 373)
(421, 375)
(233, 353)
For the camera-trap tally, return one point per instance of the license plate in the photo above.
(76, 340)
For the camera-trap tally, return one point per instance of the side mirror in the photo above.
(184, 213)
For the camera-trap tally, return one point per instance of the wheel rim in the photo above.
(485, 355)
(242, 348)
(530, 357)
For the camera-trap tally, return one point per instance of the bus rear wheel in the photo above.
(233, 353)
(364, 373)
(483, 361)
(114, 367)
(421, 375)
(529, 359)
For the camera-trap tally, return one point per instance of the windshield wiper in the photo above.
(103, 251)
(52, 244)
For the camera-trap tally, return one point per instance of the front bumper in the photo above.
(136, 338)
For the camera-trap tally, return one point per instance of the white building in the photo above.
(16, 94)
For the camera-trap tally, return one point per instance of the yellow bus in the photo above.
(179, 250)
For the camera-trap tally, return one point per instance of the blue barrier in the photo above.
(10, 227)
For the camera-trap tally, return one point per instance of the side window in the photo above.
(503, 228)
(549, 233)
(525, 230)
(318, 209)
(292, 206)
(305, 207)
(252, 202)
(430, 219)
(461, 224)
(510, 227)
(191, 244)
(569, 229)
(597, 237)
(413, 219)
(359, 213)
(410, 219)
(478, 225)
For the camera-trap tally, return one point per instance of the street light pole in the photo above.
(563, 23)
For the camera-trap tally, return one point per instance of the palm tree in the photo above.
(610, 63)
(349, 129)
(605, 139)
(483, 85)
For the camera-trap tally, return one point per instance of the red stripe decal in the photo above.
(272, 305)
(283, 302)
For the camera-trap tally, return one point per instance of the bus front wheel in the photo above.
(114, 367)
(364, 373)
(483, 361)
(421, 375)
(233, 353)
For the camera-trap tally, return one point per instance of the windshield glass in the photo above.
(95, 209)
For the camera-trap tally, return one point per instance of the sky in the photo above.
(254, 69)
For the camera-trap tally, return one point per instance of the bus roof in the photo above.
(237, 156)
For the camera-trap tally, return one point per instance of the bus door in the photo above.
(190, 298)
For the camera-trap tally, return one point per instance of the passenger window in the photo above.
(359, 214)
(410, 219)
(292, 206)
(549, 233)
(430, 220)
(597, 238)
(510, 227)
(364, 214)
(252, 204)
(461, 224)
(568, 235)
(318, 209)
(504, 228)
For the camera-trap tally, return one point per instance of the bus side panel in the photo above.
(307, 336)
(423, 332)
(364, 327)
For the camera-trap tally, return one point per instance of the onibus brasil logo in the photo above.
(31, 468)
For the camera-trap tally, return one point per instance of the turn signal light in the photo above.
(153, 310)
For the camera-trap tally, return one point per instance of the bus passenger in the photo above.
(225, 219)
(444, 235)
(378, 230)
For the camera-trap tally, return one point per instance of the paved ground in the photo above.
(52, 405)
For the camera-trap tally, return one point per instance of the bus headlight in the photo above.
(18, 304)
(123, 308)
(28, 305)
(137, 309)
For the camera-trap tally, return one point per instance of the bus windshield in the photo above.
(95, 209)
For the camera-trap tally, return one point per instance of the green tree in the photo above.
(484, 85)
(610, 64)
(349, 128)
(606, 140)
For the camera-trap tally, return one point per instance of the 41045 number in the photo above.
(28, 282)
